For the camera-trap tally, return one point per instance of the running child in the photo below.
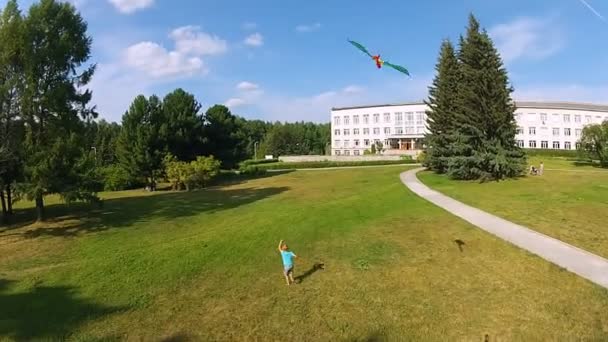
(288, 257)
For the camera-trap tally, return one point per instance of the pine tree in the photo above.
(442, 107)
(138, 148)
(221, 135)
(484, 145)
(182, 125)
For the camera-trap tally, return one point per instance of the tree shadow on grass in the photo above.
(594, 164)
(45, 313)
(231, 178)
(71, 221)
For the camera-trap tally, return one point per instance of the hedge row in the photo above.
(541, 152)
(250, 162)
(323, 164)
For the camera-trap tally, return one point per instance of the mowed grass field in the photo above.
(204, 266)
(568, 202)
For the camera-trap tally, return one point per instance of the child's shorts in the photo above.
(287, 270)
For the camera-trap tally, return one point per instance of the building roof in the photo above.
(380, 105)
(519, 104)
(563, 105)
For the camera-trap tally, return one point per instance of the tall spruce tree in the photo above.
(484, 145)
(442, 109)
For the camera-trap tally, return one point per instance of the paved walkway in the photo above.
(576, 260)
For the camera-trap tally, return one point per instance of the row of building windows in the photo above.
(347, 153)
(387, 130)
(520, 143)
(420, 118)
(545, 144)
(400, 118)
(357, 143)
(556, 131)
(556, 117)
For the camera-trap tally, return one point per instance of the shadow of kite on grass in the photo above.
(316, 267)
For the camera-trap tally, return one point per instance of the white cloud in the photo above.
(138, 67)
(130, 6)
(247, 86)
(234, 102)
(156, 61)
(308, 28)
(527, 38)
(114, 88)
(255, 39)
(190, 45)
(352, 89)
(316, 107)
(190, 40)
(250, 26)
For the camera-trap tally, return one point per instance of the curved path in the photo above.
(576, 260)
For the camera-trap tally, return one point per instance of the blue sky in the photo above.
(289, 60)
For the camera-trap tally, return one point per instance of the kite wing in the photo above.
(360, 47)
(397, 67)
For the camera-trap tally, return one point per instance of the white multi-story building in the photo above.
(401, 127)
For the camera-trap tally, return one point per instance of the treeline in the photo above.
(51, 143)
(132, 154)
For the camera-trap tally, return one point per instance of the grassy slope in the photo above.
(570, 204)
(204, 265)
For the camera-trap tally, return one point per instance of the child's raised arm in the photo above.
(280, 244)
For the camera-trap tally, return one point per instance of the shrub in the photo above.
(195, 174)
(116, 178)
(406, 157)
(421, 158)
(253, 170)
(204, 169)
(257, 162)
(541, 152)
(324, 164)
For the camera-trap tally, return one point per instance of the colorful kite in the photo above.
(378, 60)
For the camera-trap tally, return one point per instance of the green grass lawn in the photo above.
(204, 266)
(568, 202)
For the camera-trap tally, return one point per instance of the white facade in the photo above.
(401, 127)
(355, 129)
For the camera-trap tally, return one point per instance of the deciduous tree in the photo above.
(594, 142)
(53, 103)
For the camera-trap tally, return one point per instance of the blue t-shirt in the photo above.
(287, 258)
